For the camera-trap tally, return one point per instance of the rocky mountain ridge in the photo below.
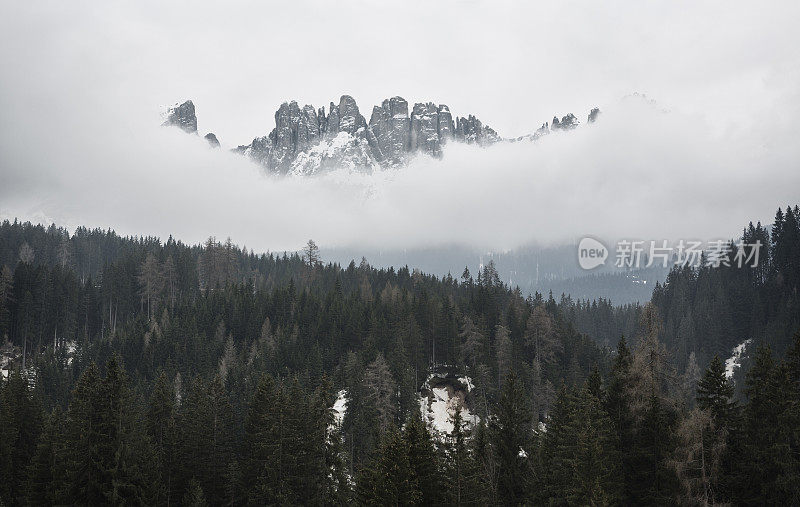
(307, 141)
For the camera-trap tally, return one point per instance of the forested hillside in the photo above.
(155, 373)
(707, 311)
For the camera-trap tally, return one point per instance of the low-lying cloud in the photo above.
(637, 172)
(80, 141)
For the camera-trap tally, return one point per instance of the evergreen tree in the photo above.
(20, 425)
(423, 460)
(580, 463)
(461, 473)
(162, 429)
(389, 478)
(715, 394)
(46, 474)
(511, 439)
(111, 457)
(618, 404)
(763, 451)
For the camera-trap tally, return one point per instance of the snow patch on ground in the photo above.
(71, 347)
(467, 382)
(439, 404)
(438, 409)
(339, 407)
(735, 361)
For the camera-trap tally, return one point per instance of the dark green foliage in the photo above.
(580, 457)
(162, 429)
(766, 465)
(389, 478)
(20, 425)
(226, 396)
(715, 393)
(287, 451)
(206, 438)
(461, 473)
(511, 431)
(46, 473)
(109, 457)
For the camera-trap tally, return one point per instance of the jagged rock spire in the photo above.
(182, 116)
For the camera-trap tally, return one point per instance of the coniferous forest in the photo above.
(143, 372)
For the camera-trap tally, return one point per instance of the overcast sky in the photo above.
(81, 85)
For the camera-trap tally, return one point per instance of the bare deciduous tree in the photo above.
(151, 281)
(26, 253)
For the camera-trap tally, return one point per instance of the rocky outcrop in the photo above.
(567, 122)
(470, 130)
(299, 130)
(212, 140)
(389, 133)
(425, 129)
(182, 116)
(307, 141)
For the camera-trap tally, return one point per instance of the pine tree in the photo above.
(259, 431)
(763, 451)
(580, 462)
(511, 438)
(461, 473)
(112, 456)
(389, 478)
(541, 337)
(85, 475)
(46, 481)
(20, 426)
(423, 460)
(162, 429)
(618, 405)
(125, 452)
(715, 394)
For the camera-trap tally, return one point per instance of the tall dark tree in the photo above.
(511, 430)
(20, 425)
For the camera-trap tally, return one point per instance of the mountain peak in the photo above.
(182, 116)
(306, 140)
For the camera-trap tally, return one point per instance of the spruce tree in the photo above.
(20, 425)
(389, 479)
(618, 405)
(715, 394)
(46, 481)
(511, 431)
(161, 427)
(423, 460)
